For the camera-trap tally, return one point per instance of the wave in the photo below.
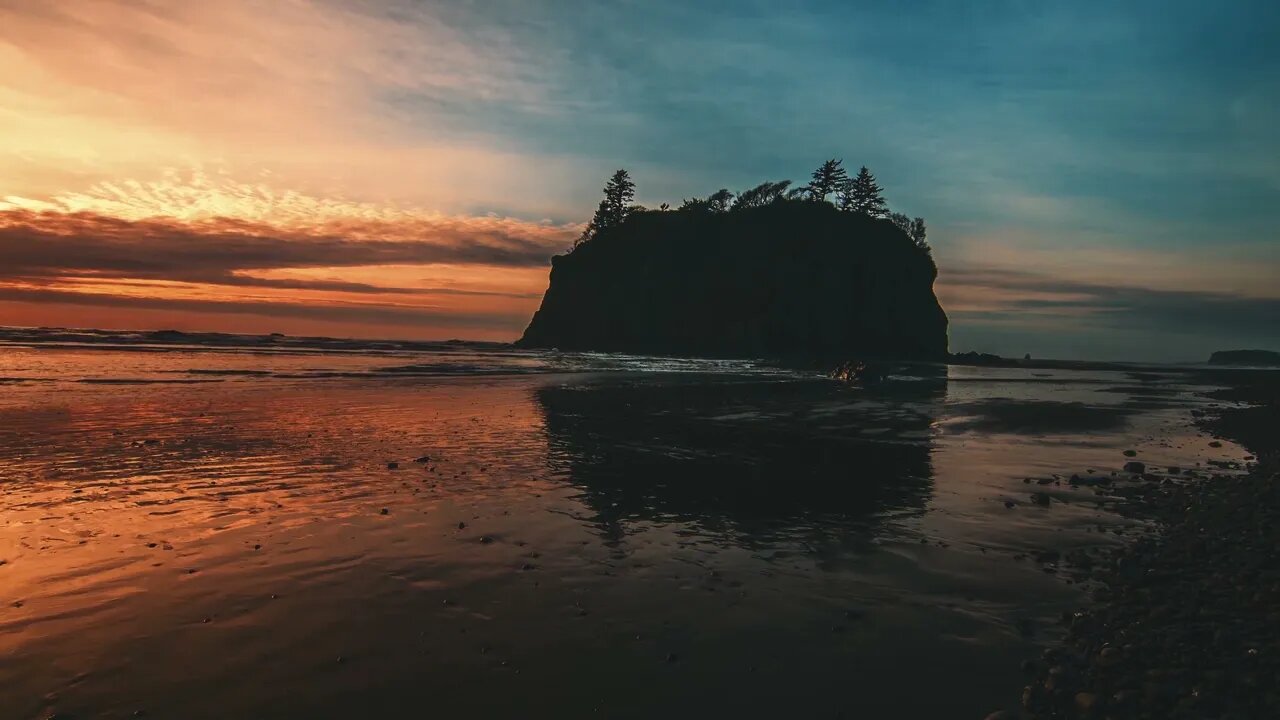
(116, 357)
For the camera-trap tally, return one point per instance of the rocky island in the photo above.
(1245, 357)
(769, 273)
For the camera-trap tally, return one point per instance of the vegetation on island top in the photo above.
(858, 194)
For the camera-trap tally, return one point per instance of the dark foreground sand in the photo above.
(1187, 621)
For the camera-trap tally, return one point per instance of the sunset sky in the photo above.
(1098, 182)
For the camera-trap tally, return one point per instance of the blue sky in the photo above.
(1154, 110)
(1114, 130)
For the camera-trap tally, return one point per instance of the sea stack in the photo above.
(789, 280)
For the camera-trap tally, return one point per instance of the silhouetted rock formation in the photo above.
(1245, 357)
(790, 279)
(974, 357)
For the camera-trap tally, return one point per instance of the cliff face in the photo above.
(795, 279)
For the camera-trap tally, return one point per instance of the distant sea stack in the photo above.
(1245, 357)
(789, 279)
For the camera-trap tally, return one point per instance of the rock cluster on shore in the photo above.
(1187, 620)
(1186, 624)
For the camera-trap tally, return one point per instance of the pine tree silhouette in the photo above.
(829, 178)
(862, 194)
(614, 208)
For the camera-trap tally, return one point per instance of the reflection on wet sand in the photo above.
(752, 462)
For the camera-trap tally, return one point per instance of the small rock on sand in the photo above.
(1135, 467)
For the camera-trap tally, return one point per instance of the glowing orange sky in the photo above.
(205, 116)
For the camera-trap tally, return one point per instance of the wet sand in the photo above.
(1184, 621)
(619, 544)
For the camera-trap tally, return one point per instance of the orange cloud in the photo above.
(399, 269)
(292, 96)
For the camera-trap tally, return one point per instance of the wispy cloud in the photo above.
(380, 315)
(107, 91)
(1016, 291)
(50, 243)
(387, 268)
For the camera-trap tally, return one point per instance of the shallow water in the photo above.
(216, 532)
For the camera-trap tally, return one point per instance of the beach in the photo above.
(1183, 623)
(278, 529)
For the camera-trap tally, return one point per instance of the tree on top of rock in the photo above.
(902, 221)
(917, 233)
(914, 229)
(763, 194)
(694, 204)
(614, 208)
(720, 200)
(862, 194)
(829, 178)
